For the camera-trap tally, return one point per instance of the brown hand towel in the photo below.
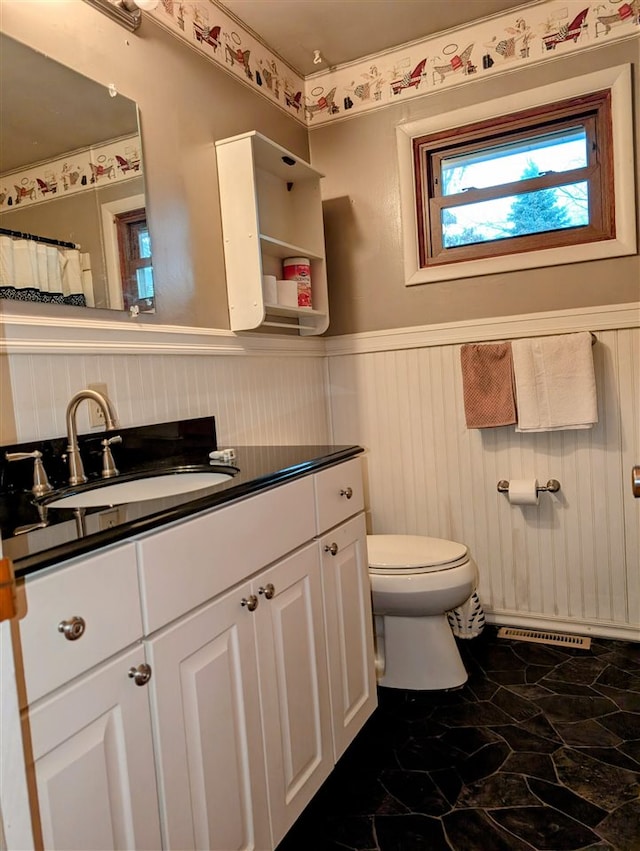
(487, 383)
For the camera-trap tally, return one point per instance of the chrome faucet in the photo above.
(76, 469)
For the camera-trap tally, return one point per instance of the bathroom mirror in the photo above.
(73, 226)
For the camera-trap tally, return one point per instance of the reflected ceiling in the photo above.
(39, 125)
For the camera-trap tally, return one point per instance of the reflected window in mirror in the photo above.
(136, 267)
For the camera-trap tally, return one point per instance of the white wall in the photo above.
(261, 391)
(572, 562)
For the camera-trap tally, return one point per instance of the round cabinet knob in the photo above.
(635, 481)
(140, 674)
(331, 548)
(346, 492)
(73, 628)
(267, 590)
(250, 602)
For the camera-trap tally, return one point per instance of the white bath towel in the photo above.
(555, 383)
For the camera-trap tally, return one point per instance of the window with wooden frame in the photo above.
(136, 269)
(537, 178)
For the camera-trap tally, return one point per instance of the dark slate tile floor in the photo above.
(540, 749)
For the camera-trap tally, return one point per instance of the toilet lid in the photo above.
(413, 554)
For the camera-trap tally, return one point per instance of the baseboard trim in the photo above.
(620, 632)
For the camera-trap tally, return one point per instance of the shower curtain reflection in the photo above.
(39, 269)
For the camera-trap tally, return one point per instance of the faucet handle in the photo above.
(41, 484)
(109, 469)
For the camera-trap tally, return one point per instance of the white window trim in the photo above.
(110, 235)
(618, 79)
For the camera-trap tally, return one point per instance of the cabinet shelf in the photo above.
(271, 209)
(277, 248)
(282, 310)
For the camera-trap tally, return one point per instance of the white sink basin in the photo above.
(137, 490)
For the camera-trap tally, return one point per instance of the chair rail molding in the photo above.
(22, 334)
(603, 318)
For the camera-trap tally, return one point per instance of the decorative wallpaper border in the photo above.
(206, 26)
(113, 162)
(531, 34)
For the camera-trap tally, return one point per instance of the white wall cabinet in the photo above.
(271, 209)
(260, 655)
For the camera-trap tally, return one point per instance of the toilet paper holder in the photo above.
(552, 486)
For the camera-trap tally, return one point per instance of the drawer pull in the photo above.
(346, 492)
(250, 602)
(140, 674)
(73, 629)
(268, 590)
(331, 548)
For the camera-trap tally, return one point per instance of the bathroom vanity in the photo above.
(190, 681)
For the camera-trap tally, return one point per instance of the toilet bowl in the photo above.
(415, 580)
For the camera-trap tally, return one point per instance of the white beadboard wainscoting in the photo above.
(264, 390)
(572, 562)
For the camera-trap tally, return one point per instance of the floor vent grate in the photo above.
(539, 637)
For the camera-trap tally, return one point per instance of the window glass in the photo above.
(561, 151)
(517, 215)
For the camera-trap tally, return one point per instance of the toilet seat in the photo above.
(413, 554)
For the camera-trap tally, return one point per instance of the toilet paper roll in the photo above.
(287, 293)
(270, 289)
(523, 492)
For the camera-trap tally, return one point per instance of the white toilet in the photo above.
(414, 581)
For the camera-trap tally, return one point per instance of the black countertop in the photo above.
(71, 533)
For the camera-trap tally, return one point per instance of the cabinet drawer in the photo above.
(103, 591)
(339, 494)
(186, 565)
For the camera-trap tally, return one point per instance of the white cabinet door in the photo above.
(347, 597)
(93, 760)
(294, 684)
(206, 711)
